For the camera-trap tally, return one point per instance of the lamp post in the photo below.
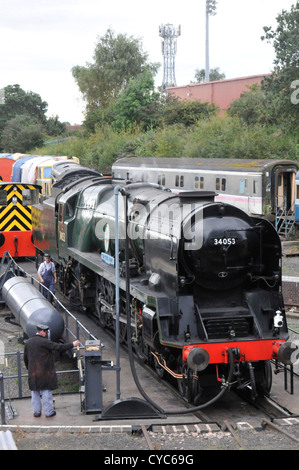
(210, 10)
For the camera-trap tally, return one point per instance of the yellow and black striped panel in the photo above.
(15, 206)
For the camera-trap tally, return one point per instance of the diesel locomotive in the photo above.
(205, 277)
(23, 180)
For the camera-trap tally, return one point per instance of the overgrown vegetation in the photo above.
(215, 137)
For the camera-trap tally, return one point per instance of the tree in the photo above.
(117, 59)
(138, 104)
(54, 126)
(18, 102)
(254, 107)
(21, 134)
(215, 74)
(186, 112)
(280, 85)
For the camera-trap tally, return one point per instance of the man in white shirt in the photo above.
(47, 274)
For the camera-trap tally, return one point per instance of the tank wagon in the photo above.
(31, 308)
(205, 277)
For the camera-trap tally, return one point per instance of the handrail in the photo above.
(19, 376)
(284, 218)
(80, 329)
(17, 269)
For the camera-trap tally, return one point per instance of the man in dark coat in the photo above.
(39, 360)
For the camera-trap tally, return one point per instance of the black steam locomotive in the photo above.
(205, 278)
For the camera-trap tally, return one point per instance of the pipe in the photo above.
(117, 346)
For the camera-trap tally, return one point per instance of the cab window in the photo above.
(3, 198)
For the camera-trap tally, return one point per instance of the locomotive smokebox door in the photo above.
(93, 400)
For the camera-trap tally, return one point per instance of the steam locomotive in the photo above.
(205, 277)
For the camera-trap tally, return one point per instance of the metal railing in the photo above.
(73, 328)
(69, 318)
(284, 218)
(10, 394)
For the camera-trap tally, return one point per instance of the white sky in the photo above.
(41, 40)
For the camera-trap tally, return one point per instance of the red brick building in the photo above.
(220, 92)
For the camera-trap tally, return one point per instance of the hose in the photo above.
(183, 410)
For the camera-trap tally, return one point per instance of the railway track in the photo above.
(228, 417)
(266, 416)
(243, 435)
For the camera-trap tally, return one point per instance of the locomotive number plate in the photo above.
(224, 241)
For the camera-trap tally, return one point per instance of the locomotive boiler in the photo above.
(205, 278)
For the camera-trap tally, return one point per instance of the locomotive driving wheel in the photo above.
(263, 377)
(104, 301)
(187, 383)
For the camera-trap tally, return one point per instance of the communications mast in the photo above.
(210, 11)
(169, 35)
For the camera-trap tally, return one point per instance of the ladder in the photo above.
(284, 219)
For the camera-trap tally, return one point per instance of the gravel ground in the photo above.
(249, 440)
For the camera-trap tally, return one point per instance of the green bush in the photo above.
(216, 137)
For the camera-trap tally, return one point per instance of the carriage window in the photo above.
(297, 195)
(199, 182)
(254, 188)
(223, 184)
(243, 184)
(179, 181)
(30, 196)
(48, 172)
(217, 184)
(3, 198)
(161, 180)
